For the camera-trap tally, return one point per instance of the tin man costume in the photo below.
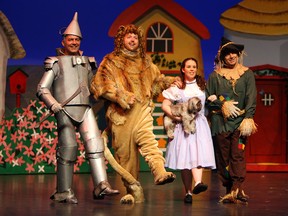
(65, 78)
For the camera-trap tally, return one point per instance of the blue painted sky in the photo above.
(38, 22)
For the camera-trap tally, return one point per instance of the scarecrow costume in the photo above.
(231, 117)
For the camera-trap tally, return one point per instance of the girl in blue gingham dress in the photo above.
(189, 153)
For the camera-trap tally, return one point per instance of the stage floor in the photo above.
(29, 195)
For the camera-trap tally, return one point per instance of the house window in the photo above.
(159, 38)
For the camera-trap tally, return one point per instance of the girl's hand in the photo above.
(177, 118)
(212, 98)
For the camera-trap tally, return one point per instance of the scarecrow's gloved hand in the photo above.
(230, 110)
(247, 127)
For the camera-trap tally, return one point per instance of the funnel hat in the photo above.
(73, 28)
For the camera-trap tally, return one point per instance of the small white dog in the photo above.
(188, 111)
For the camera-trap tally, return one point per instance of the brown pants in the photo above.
(230, 159)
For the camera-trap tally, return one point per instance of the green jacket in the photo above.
(245, 94)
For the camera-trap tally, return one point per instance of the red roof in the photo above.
(268, 66)
(142, 7)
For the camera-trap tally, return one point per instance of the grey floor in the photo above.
(29, 195)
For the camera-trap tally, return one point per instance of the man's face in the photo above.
(71, 44)
(131, 41)
(231, 60)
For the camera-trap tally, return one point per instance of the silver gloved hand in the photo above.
(56, 107)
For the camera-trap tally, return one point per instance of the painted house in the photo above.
(170, 30)
(10, 48)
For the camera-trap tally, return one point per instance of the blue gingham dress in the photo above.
(187, 151)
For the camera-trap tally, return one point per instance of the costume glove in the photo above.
(56, 107)
(247, 127)
(230, 110)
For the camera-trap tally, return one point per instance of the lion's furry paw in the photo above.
(136, 191)
(127, 199)
(164, 178)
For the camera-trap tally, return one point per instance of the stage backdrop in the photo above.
(27, 149)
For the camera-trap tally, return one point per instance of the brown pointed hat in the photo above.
(73, 28)
(228, 46)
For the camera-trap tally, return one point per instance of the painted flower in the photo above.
(29, 168)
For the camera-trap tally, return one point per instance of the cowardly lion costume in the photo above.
(124, 74)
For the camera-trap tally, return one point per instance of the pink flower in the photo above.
(20, 161)
(28, 113)
(76, 167)
(9, 124)
(42, 104)
(34, 139)
(2, 140)
(20, 146)
(49, 125)
(42, 137)
(29, 151)
(10, 158)
(43, 157)
(23, 123)
(81, 147)
(80, 160)
(14, 137)
(32, 104)
(22, 134)
(37, 159)
(29, 168)
(17, 114)
(32, 125)
(53, 150)
(46, 145)
(7, 148)
(51, 157)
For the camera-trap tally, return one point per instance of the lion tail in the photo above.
(115, 165)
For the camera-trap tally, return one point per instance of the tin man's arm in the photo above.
(44, 86)
(43, 89)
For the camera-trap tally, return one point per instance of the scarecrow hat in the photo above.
(228, 46)
(73, 28)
